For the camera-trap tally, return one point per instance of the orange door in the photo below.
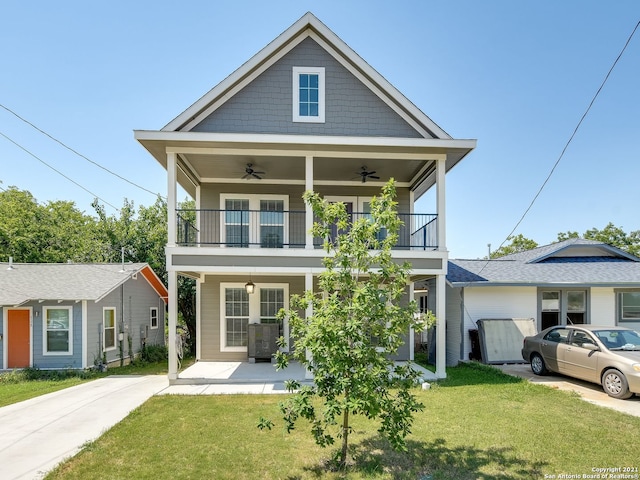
(18, 339)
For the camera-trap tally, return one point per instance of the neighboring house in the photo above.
(68, 315)
(305, 113)
(573, 281)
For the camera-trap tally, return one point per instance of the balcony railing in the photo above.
(284, 229)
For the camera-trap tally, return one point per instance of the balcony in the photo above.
(283, 229)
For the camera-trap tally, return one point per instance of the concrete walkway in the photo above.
(589, 392)
(37, 434)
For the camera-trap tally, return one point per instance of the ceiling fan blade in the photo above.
(246, 175)
(259, 173)
(373, 176)
(256, 176)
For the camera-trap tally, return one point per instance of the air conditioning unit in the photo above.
(262, 341)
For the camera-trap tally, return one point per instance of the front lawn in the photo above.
(478, 424)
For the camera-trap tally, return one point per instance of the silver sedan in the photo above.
(609, 356)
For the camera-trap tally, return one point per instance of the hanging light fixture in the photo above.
(250, 287)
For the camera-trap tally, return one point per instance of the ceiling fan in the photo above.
(364, 174)
(250, 172)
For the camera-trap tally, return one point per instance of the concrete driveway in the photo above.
(37, 434)
(590, 392)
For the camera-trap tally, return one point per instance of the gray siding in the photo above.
(210, 193)
(455, 325)
(41, 360)
(135, 298)
(210, 312)
(265, 105)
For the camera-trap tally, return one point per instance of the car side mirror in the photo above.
(590, 346)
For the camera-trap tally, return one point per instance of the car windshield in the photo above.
(619, 339)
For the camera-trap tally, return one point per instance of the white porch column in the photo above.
(199, 318)
(198, 214)
(308, 185)
(441, 327)
(440, 192)
(308, 285)
(172, 182)
(412, 333)
(173, 321)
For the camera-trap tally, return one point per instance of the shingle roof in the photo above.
(574, 261)
(22, 282)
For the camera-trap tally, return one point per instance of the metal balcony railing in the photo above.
(284, 229)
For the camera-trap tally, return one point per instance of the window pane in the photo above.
(304, 110)
(58, 341)
(550, 300)
(630, 305)
(109, 319)
(57, 319)
(304, 80)
(313, 110)
(304, 95)
(313, 96)
(576, 301)
(313, 81)
(110, 338)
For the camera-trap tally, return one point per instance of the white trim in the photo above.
(115, 330)
(297, 71)
(151, 309)
(85, 333)
(254, 311)
(44, 330)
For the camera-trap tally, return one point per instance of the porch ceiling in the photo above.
(205, 157)
(287, 168)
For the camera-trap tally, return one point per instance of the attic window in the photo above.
(308, 94)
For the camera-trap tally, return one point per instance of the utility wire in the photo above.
(570, 138)
(76, 152)
(57, 171)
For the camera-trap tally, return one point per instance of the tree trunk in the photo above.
(345, 438)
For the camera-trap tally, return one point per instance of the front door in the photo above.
(18, 339)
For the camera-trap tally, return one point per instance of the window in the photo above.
(257, 220)
(235, 319)
(308, 94)
(58, 330)
(153, 320)
(563, 307)
(108, 328)
(576, 306)
(629, 306)
(239, 308)
(271, 301)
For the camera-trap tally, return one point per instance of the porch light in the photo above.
(250, 287)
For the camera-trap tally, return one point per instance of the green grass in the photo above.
(477, 424)
(19, 385)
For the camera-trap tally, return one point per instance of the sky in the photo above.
(515, 75)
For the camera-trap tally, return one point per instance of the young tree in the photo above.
(361, 314)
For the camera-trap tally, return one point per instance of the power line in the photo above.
(57, 171)
(571, 137)
(77, 153)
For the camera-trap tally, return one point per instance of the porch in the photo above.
(214, 378)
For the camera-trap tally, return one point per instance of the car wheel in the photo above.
(537, 365)
(615, 384)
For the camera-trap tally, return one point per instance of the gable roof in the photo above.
(572, 262)
(307, 26)
(24, 282)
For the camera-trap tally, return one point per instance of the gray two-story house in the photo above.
(305, 113)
